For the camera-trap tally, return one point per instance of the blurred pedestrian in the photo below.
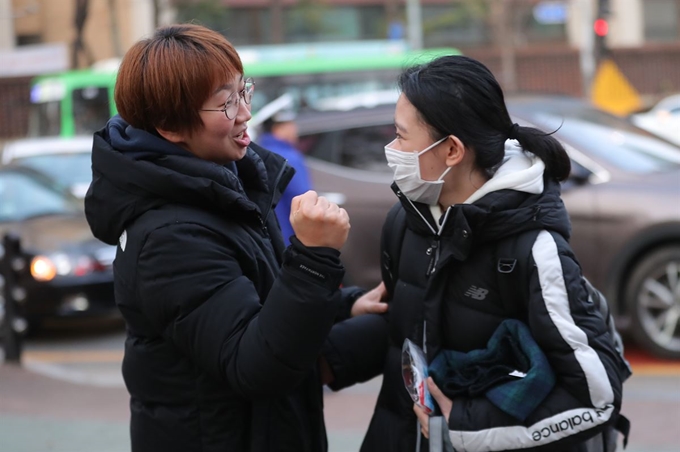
(281, 136)
(461, 193)
(224, 324)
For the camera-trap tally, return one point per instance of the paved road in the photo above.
(68, 396)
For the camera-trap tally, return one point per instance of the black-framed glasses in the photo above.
(233, 103)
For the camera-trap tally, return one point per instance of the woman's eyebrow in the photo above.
(400, 127)
(228, 86)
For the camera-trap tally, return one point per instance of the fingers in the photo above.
(424, 420)
(382, 290)
(376, 308)
(318, 222)
(434, 390)
(442, 400)
(309, 196)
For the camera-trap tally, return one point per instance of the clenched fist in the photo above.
(318, 222)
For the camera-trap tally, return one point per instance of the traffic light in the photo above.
(601, 27)
(601, 30)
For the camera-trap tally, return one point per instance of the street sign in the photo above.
(613, 92)
(551, 12)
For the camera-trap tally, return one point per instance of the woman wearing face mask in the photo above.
(461, 189)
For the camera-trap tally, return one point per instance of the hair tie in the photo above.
(512, 133)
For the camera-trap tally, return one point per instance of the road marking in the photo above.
(104, 378)
(63, 365)
(656, 369)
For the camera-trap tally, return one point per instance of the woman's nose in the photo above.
(243, 114)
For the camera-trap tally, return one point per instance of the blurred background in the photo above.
(605, 72)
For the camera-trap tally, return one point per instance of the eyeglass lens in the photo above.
(234, 100)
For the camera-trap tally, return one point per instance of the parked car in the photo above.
(68, 271)
(662, 119)
(623, 198)
(66, 160)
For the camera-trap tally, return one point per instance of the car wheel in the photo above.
(653, 299)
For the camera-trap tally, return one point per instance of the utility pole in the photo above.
(414, 19)
(115, 28)
(6, 25)
(502, 17)
(587, 57)
(277, 21)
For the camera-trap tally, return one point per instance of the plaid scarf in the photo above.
(512, 371)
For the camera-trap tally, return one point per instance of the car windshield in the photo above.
(67, 169)
(609, 138)
(23, 197)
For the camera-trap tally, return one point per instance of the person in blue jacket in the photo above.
(280, 136)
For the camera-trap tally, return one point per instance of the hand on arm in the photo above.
(372, 302)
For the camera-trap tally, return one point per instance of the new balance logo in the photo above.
(476, 292)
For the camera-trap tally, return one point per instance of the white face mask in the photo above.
(406, 168)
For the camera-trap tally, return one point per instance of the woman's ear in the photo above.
(455, 150)
(173, 137)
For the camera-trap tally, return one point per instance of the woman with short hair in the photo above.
(224, 325)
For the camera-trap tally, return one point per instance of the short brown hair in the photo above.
(163, 81)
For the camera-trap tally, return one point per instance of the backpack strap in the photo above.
(512, 262)
(390, 245)
(439, 440)
(598, 299)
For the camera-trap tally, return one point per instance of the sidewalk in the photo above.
(39, 413)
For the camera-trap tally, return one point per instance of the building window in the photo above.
(319, 22)
(454, 25)
(530, 31)
(249, 26)
(661, 19)
(28, 39)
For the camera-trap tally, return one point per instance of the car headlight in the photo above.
(43, 269)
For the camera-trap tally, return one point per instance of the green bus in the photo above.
(80, 102)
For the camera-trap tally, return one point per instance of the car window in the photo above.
(45, 119)
(90, 109)
(611, 139)
(22, 197)
(67, 169)
(358, 148)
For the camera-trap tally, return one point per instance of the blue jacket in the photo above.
(297, 186)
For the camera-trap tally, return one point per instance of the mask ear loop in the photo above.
(444, 173)
(424, 151)
(431, 146)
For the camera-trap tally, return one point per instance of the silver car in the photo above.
(623, 197)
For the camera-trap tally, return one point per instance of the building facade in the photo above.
(531, 45)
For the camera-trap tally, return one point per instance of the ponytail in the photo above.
(546, 147)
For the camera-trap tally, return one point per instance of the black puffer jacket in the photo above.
(446, 296)
(222, 343)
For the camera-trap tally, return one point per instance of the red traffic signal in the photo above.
(601, 27)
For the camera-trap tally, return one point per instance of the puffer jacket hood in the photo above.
(135, 171)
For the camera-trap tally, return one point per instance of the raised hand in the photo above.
(318, 222)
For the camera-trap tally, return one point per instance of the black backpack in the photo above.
(512, 255)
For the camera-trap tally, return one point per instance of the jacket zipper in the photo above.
(263, 220)
(433, 251)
